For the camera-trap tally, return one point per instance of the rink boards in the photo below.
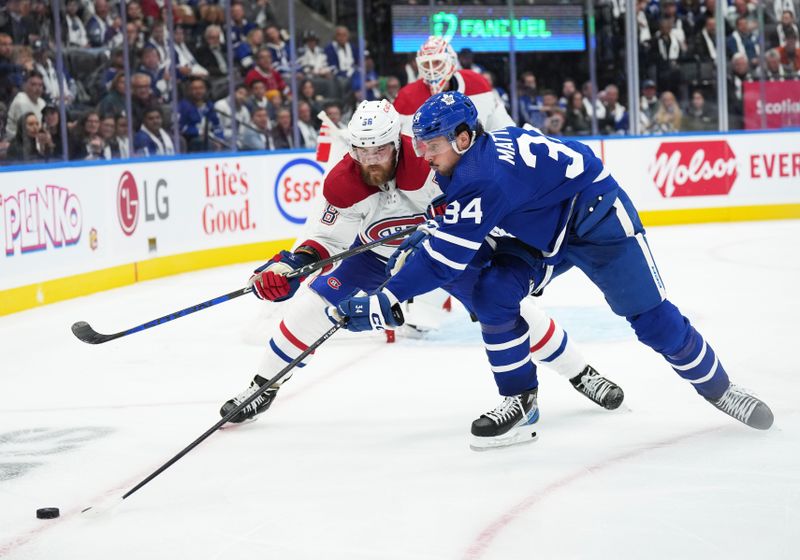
(73, 229)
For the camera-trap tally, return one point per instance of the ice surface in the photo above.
(365, 453)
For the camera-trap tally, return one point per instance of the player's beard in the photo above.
(376, 175)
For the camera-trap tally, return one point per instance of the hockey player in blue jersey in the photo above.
(544, 206)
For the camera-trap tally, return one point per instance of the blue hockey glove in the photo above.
(269, 281)
(366, 313)
(409, 246)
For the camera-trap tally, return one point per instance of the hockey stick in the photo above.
(313, 346)
(87, 334)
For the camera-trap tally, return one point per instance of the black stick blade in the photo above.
(87, 334)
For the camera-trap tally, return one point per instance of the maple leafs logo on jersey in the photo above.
(417, 116)
(448, 99)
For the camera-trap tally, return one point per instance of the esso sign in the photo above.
(298, 184)
(694, 168)
(127, 203)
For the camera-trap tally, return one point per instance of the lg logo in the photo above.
(156, 202)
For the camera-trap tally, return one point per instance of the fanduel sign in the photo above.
(490, 28)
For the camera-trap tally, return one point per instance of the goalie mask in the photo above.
(436, 62)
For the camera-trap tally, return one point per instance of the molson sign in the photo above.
(36, 219)
(694, 168)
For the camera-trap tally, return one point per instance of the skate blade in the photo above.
(523, 434)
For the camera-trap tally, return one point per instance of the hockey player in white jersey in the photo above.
(438, 68)
(379, 188)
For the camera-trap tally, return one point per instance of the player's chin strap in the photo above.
(454, 143)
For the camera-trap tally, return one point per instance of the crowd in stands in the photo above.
(94, 87)
(677, 53)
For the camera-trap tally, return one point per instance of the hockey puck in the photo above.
(47, 513)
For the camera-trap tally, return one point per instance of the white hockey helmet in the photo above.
(436, 62)
(374, 125)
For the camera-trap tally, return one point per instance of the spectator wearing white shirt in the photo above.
(29, 100)
(76, 31)
(187, 64)
(43, 62)
(312, 59)
(305, 122)
(242, 113)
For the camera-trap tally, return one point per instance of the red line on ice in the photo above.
(485, 538)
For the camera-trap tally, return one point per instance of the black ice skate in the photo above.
(259, 405)
(598, 389)
(745, 407)
(508, 424)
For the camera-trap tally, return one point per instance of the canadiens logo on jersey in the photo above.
(389, 226)
(334, 283)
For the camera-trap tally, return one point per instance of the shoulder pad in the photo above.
(473, 82)
(411, 97)
(412, 171)
(344, 186)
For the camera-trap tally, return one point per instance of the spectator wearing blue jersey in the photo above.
(246, 51)
(10, 72)
(616, 118)
(373, 92)
(741, 42)
(530, 102)
(241, 27)
(152, 139)
(102, 29)
(198, 121)
(563, 209)
(277, 48)
(342, 54)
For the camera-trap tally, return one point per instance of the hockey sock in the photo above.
(304, 322)
(668, 332)
(698, 364)
(508, 348)
(550, 344)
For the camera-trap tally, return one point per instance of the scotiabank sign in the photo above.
(698, 168)
(780, 106)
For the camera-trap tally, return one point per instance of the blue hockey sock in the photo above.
(697, 363)
(508, 348)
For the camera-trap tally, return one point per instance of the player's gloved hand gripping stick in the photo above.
(381, 310)
(87, 334)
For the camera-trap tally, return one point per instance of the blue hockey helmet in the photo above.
(441, 115)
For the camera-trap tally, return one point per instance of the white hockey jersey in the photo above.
(352, 209)
(491, 111)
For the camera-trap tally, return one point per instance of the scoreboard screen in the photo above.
(489, 28)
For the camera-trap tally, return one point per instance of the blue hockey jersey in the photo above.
(518, 180)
